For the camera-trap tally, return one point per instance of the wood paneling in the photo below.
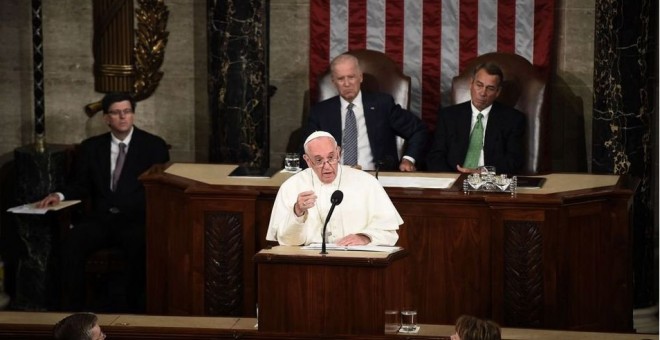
(559, 260)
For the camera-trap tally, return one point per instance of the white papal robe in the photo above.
(365, 209)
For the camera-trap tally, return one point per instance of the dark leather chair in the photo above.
(380, 74)
(523, 88)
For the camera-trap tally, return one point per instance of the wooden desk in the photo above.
(342, 292)
(557, 257)
(35, 326)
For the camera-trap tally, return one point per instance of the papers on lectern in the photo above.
(332, 246)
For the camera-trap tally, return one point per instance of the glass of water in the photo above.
(408, 320)
(392, 323)
(292, 161)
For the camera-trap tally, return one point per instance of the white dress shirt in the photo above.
(365, 157)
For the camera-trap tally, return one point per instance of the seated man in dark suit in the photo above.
(366, 124)
(107, 170)
(479, 132)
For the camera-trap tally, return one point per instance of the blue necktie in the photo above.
(349, 142)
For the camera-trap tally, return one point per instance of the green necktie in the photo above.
(476, 144)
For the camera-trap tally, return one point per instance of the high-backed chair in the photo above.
(523, 88)
(380, 74)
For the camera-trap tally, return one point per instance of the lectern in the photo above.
(343, 292)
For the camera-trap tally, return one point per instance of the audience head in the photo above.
(322, 155)
(486, 84)
(118, 109)
(346, 75)
(472, 328)
(79, 326)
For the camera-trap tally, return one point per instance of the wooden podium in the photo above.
(343, 292)
(558, 257)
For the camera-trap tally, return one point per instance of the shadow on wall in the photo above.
(569, 149)
(295, 138)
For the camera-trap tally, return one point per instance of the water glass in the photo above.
(292, 161)
(487, 169)
(392, 323)
(408, 320)
(488, 172)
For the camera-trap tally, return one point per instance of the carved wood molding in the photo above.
(523, 274)
(223, 286)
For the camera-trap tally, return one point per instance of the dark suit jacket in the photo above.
(503, 142)
(384, 119)
(92, 175)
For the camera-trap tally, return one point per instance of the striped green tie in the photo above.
(476, 144)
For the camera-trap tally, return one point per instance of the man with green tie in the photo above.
(479, 132)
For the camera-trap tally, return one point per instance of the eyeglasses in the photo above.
(320, 162)
(118, 112)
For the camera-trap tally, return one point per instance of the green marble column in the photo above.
(622, 117)
(37, 268)
(238, 82)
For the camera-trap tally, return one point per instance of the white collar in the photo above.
(484, 112)
(357, 101)
(126, 140)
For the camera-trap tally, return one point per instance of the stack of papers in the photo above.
(332, 246)
(416, 182)
(31, 208)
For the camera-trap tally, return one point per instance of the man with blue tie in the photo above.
(107, 171)
(366, 124)
(479, 132)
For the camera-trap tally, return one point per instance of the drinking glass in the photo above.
(392, 322)
(292, 161)
(408, 320)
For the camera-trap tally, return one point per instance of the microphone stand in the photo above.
(335, 199)
(325, 225)
(378, 165)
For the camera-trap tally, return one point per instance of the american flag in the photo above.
(432, 40)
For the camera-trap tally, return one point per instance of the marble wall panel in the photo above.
(169, 112)
(573, 76)
(15, 72)
(289, 60)
(69, 83)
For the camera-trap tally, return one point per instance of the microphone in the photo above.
(386, 163)
(335, 199)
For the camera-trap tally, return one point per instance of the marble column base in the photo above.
(37, 281)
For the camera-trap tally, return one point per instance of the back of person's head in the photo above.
(472, 328)
(116, 97)
(75, 327)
